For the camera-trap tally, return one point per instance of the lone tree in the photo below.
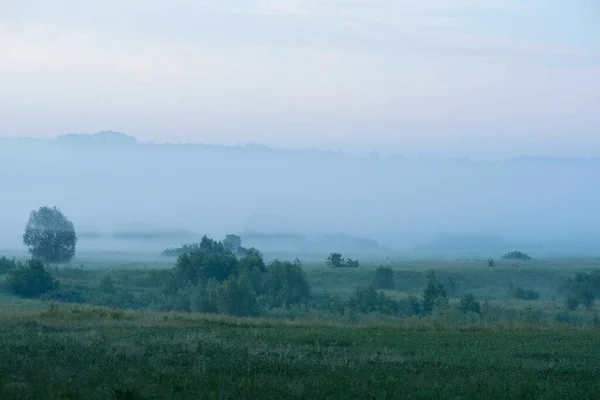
(50, 236)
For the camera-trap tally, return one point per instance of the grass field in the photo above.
(82, 353)
(522, 349)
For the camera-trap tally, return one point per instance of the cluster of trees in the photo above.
(231, 242)
(50, 238)
(215, 279)
(336, 260)
(29, 278)
(371, 300)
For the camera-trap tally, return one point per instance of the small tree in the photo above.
(31, 279)
(491, 263)
(432, 293)
(335, 260)
(50, 236)
(468, 303)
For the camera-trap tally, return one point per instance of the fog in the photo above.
(188, 190)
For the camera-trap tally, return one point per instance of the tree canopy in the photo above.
(50, 236)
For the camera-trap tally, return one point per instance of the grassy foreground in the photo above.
(87, 353)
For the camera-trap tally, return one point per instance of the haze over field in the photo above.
(491, 81)
(402, 201)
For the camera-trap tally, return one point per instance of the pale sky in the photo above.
(457, 75)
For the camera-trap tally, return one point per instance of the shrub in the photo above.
(7, 265)
(431, 294)
(468, 303)
(31, 279)
(491, 263)
(524, 294)
(384, 279)
(516, 255)
(350, 263)
(370, 301)
(335, 260)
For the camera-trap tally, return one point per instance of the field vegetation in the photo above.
(215, 320)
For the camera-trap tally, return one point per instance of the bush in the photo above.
(384, 279)
(524, 294)
(335, 260)
(468, 303)
(7, 265)
(31, 279)
(516, 255)
(370, 301)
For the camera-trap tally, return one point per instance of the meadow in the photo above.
(118, 343)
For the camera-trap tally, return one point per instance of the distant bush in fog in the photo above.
(518, 292)
(583, 289)
(516, 255)
(336, 260)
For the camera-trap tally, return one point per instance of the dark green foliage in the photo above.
(31, 279)
(491, 263)
(184, 249)
(518, 292)
(237, 297)
(370, 301)
(384, 279)
(285, 283)
(516, 255)
(212, 261)
(350, 263)
(6, 265)
(433, 292)
(50, 236)
(335, 260)
(468, 303)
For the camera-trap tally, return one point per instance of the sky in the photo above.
(454, 77)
